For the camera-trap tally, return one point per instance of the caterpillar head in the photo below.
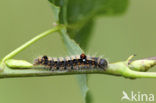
(103, 63)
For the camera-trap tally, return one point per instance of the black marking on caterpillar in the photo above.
(80, 62)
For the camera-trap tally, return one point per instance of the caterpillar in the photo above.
(79, 62)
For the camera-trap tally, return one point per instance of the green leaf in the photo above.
(82, 80)
(78, 16)
(84, 34)
(74, 49)
(56, 11)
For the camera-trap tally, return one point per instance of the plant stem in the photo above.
(136, 74)
(30, 42)
(115, 69)
(122, 69)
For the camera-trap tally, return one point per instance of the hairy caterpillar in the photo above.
(79, 62)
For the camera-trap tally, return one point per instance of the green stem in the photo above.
(115, 69)
(122, 69)
(30, 42)
(136, 74)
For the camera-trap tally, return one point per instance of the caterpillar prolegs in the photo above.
(79, 62)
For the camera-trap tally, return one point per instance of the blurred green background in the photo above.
(114, 37)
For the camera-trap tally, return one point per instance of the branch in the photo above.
(30, 42)
(21, 68)
(117, 69)
(27, 44)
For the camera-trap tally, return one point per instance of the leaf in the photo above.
(82, 80)
(74, 49)
(84, 34)
(78, 16)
